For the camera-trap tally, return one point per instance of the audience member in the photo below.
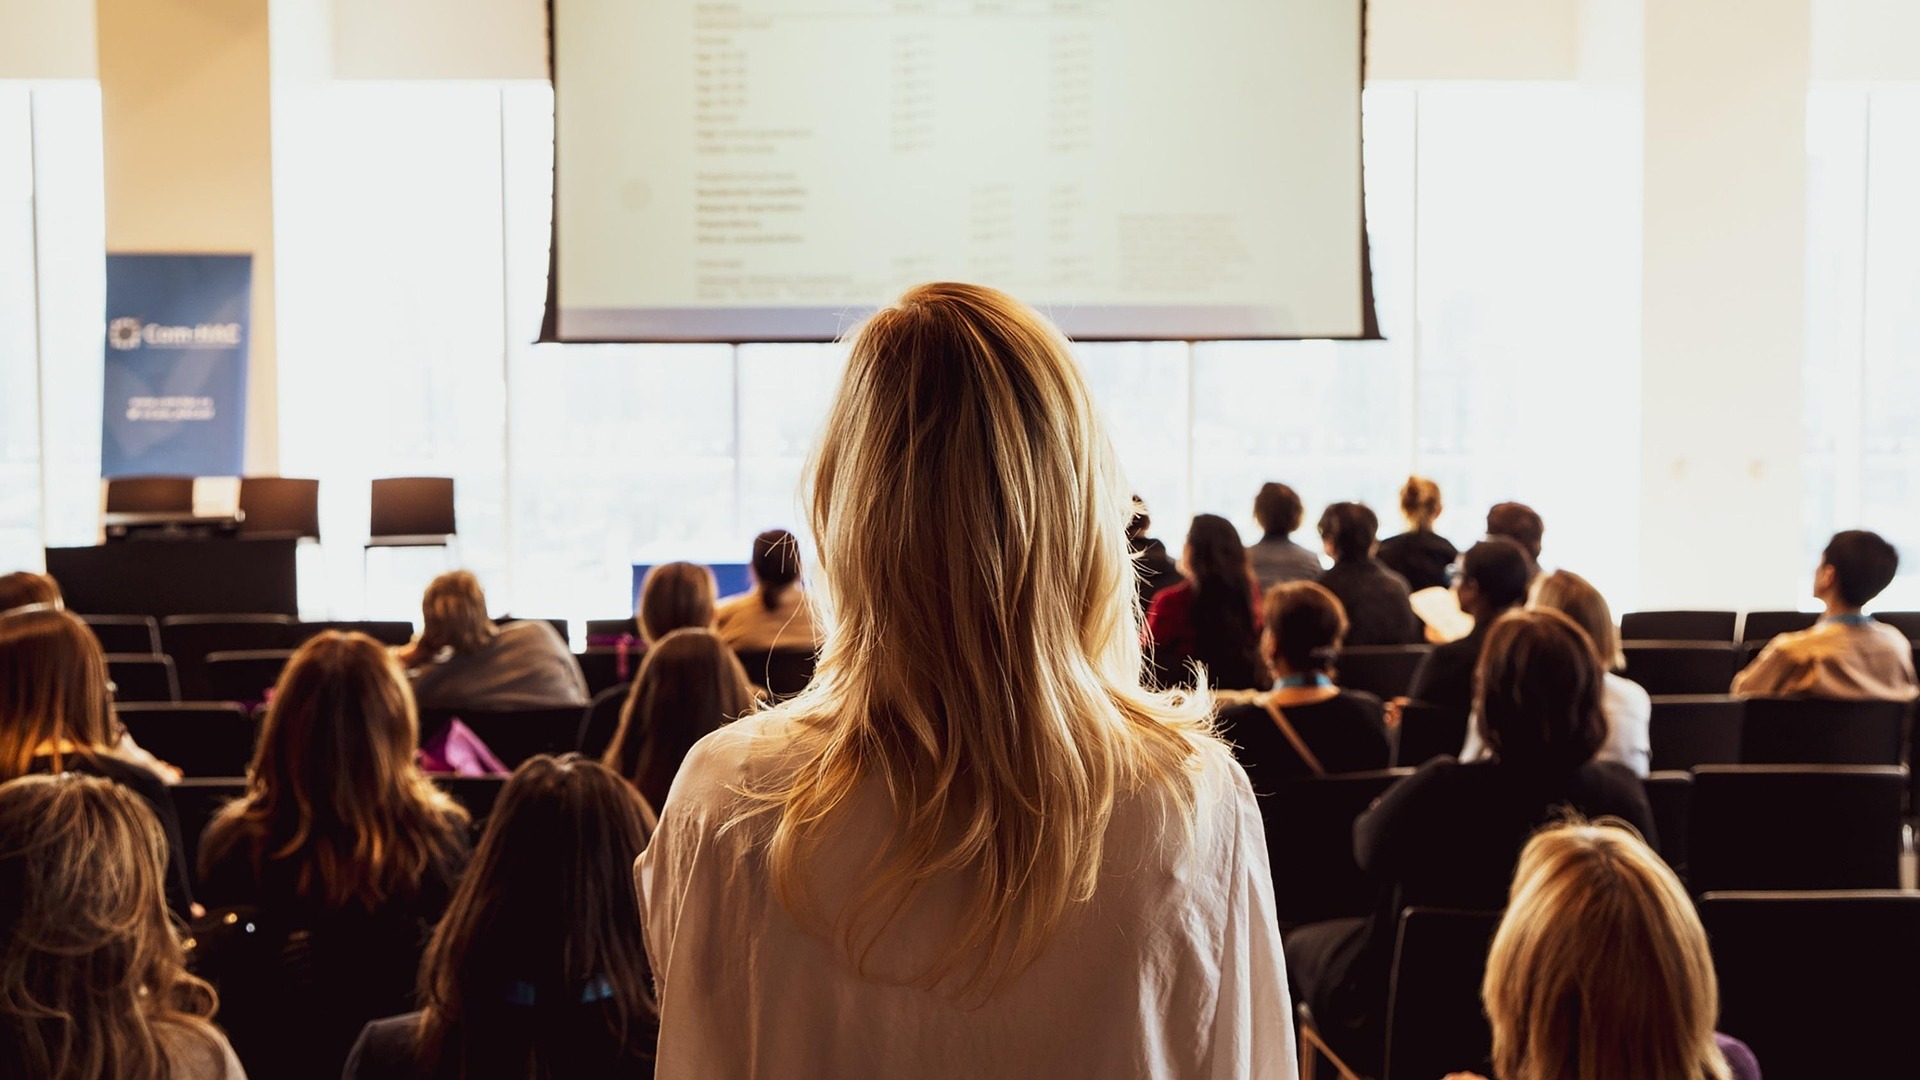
(1307, 726)
(462, 660)
(1276, 558)
(55, 716)
(774, 614)
(675, 596)
(539, 968)
(1448, 835)
(959, 834)
(1153, 566)
(1519, 523)
(1600, 969)
(1493, 581)
(93, 978)
(1420, 555)
(689, 684)
(1846, 655)
(343, 850)
(24, 588)
(1209, 618)
(1374, 597)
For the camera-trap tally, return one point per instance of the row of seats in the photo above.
(1757, 626)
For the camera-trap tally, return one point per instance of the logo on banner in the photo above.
(124, 333)
(128, 332)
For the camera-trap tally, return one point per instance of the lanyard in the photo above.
(1301, 681)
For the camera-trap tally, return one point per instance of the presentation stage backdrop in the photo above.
(176, 365)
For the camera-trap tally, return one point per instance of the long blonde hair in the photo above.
(983, 662)
(53, 688)
(1600, 969)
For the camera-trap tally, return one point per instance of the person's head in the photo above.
(1420, 503)
(1277, 508)
(26, 589)
(689, 684)
(1600, 968)
(1140, 521)
(1214, 556)
(1854, 568)
(1349, 531)
(988, 675)
(93, 979)
(1493, 578)
(334, 786)
(674, 596)
(776, 565)
(541, 948)
(1538, 692)
(1573, 596)
(453, 615)
(1302, 627)
(1519, 523)
(53, 687)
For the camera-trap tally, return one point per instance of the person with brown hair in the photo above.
(1600, 969)
(1519, 523)
(56, 715)
(674, 596)
(93, 976)
(539, 968)
(23, 588)
(341, 844)
(689, 684)
(1276, 558)
(774, 614)
(1493, 581)
(1448, 835)
(1420, 555)
(1848, 655)
(1375, 598)
(462, 660)
(1208, 618)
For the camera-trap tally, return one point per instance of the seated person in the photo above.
(1493, 581)
(1374, 597)
(1420, 555)
(1208, 618)
(675, 596)
(1847, 655)
(1276, 558)
(1521, 524)
(689, 684)
(539, 967)
(774, 614)
(462, 660)
(1448, 836)
(23, 588)
(1307, 726)
(1153, 567)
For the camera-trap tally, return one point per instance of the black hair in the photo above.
(1352, 528)
(1519, 523)
(1863, 564)
(1224, 635)
(1278, 510)
(776, 565)
(1501, 570)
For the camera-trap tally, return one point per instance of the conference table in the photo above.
(190, 576)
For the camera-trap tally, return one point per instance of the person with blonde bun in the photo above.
(1420, 555)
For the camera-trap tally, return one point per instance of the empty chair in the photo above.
(513, 736)
(246, 675)
(601, 720)
(196, 800)
(557, 624)
(1682, 667)
(1786, 731)
(1795, 827)
(1907, 622)
(125, 633)
(1819, 984)
(609, 666)
(384, 631)
(1435, 1024)
(1696, 729)
(1426, 732)
(189, 639)
(1678, 625)
(1764, 626)
(607, 631)
(1385, 671)
(1310, 844)
(150, 495)
(142, 677)
(279, 507)
(411, 511)
(475, 794)
(1670, 795)
(200, 738)
(781, 672)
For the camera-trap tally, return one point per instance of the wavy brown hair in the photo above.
(675, 595)
(92, 971)
(334, 787)
(453, 615)
(23, 588)
(689, 684)
(1537, 691)
(53, 687)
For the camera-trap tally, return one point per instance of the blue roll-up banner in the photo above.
(176, 378)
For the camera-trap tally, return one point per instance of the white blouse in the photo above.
(1172, 970)
(1629, 713)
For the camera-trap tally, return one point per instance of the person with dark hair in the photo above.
(23, 588)
(674, 596)
(689, 684)
(1375, 598)
(1153, 567)
(1847, 655)
(1493, 581)
(539, 968)
(1420, 555)
(1519, 523)
(1276, 558)
(1209, 617)
(774, 614)
(1449, 835)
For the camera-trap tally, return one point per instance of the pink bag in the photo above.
(459, 751)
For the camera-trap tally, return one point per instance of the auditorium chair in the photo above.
(1435, 1024)
(1385, 671)
(411, 511)
(1795, 827)
(246, 676)
(608, 631)
(600, 721)
(142, 677)
(195, 800)
(1764, 626)
(128, 634)
(200, 738)
(1907, 622)
(189, 639)
(1426, 732)
(1695, 729)
(384, 631)
(1819, 984)
(608, 666)
(1678, 625)
(513, 735)
(1670, 795)
(1310, 845)
(279, 507)
(1787, 731)
(782, 672)
(475, 794)
(150, 495)
(1681, 667)
(558, 624)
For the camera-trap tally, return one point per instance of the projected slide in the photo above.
(771, 170)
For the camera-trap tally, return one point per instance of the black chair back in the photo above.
(608, 666)
(142, 677)
(1764, 626)
(1310, 844)
(150, 495)
(1435, 1025)
(384, 631)
(279, 506)
(189, 639)
(784, 672)
(1907, 622)
(125, 633)
(1678, 625)
(200, 738)
(1795, 827)
(411, 509)
(1670, 794)
(1783, 731)
(1427, 732)
(1696, 729)
(1682, 667)
(245, 675)
(195, 801)
(601, 721)
(1385, 671)
(475, 794)
(1818, 984)
(513, 736)
(600, 631)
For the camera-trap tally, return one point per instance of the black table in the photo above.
(209, 576)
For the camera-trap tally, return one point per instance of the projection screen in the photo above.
(772, 170)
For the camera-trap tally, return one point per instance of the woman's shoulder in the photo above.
(1622, 691)
(385, 1049)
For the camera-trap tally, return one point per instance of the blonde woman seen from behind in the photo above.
(974, 846)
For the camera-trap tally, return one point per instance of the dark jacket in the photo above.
(1378, 612)
(1420, 557)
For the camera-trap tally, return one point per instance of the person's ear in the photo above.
(1269, 648)
(1469, 590)
(1823, 580)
